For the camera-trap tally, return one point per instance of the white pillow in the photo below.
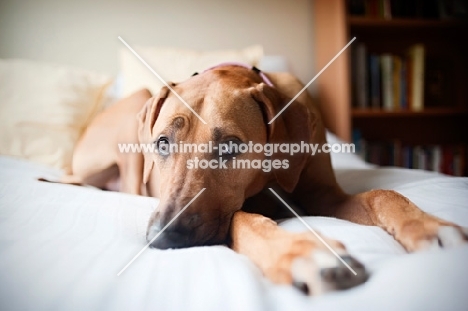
(175, 65)
(44, 108)
(274, 63)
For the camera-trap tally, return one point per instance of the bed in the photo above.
(62, 246)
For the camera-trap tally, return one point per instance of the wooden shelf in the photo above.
(358, 21)
(443, 41)
(428, 112)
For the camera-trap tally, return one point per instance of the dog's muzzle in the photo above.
(178, 234)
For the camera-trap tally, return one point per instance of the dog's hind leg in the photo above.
(67, 179)
(131, 173)
(99, 179)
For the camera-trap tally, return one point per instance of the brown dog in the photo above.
(237, 105)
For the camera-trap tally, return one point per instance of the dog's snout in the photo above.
(168, 239)
(153, 230)
(179, 233)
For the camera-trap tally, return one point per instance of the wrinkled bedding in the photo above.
(61, 248)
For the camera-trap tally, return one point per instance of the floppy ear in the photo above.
(146, 119)
(292, 126)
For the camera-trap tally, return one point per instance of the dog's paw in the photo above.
(322, 272)
(312, 268)
(420, 236)
(445, 237)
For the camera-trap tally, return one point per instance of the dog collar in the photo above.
(258, 71)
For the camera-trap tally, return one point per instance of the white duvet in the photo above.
(62, 246)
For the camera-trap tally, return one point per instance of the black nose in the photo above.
(180, 233)
(191, 229)
(168, 238)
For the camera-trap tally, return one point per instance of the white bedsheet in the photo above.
(62, 246)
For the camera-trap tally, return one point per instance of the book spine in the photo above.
(361, 76)
(436, 159)
(387, 81)
(456, 164)
(410, 157)
(416, 157)
(416, 54)
(404, 86)
(374, 68)
(380, 7)
(459, 161)
(447, 160)
(404, 157)
(372, 8)
(396, 82)
(422, 157)
(387, 9)
(409, 79)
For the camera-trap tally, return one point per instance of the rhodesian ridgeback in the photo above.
(238, 104)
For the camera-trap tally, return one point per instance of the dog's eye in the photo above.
(229, 148)
(163, 146)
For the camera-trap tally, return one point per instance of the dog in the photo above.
(237, 207)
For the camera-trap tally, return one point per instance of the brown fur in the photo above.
(235, 102)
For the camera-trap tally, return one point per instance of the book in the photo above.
(416, 157)
(372, 8)
(436, 158)
(404, 85)
(374, 80)
(422, 159)
(386, 62)
(386, 9)
(361, 76)
(409, 159)
(416, 55)
(447, 160)
(396, 75)
(404, 156)
(459, 161)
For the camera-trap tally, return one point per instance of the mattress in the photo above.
(61, 247)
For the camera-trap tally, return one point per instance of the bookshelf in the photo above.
(437, 122)
(364, 22)
(428, 112)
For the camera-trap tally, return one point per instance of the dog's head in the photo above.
(237, 106)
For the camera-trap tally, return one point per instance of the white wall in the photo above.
(84, 32)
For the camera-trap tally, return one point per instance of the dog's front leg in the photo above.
(413, 228)
(293, 258)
